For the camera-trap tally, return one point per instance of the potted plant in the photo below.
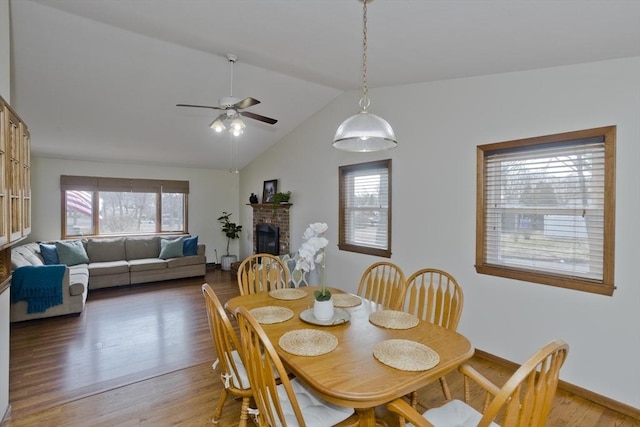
(281, 197)
(232, 231)
(312, 251)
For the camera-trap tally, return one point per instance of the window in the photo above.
(365, 208)
(546, 210)
(116, 206)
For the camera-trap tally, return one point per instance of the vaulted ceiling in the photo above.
(99, 79)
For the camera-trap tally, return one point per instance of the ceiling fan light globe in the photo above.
(217, 125)
(237, 124)
(364, 132)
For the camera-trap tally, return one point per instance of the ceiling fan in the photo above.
(231, 107)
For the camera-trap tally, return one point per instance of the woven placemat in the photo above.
(393, 319)
(287, 293)
(346, 300)
(271, 314)
(308, 342)
(406, 355)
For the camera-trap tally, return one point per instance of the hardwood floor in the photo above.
(141, 356)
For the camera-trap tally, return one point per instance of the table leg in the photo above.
(367, 418)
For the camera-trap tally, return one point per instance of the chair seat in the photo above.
(316, 412)
(454, 413)
(243, 381)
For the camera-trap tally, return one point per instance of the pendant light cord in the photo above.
(364, 101)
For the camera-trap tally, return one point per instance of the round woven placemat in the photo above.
(346, 300)
(393, 319)
(271, 314)
(308, 342)
(287, 294)
(406, 355)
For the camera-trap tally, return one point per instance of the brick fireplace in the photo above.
(265, 214)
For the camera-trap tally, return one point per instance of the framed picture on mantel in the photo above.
(269, 190)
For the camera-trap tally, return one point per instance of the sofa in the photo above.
(97, 263)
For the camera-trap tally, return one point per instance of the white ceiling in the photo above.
(99, 79)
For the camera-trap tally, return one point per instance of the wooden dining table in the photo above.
(350, 375)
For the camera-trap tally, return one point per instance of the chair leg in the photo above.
(413, 399)
(445, 388)
(244, 412)
(223, 397)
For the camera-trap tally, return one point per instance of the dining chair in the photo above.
(262, 273)
(524, 400)
(287, 402)
(434, 296)
(383, 283)
(232, 371)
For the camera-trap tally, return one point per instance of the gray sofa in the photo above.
(111, 262)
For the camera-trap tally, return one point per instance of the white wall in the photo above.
(438, 126)
(211, 192)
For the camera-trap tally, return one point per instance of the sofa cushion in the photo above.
(186, 260)
(142, 247)
(71, 253)
(105, 250)
(147, 264)
(190, 246)
(171, 248)
(105, 268)
(49, 254)
(25, 255)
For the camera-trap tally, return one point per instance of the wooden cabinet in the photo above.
(15, 184)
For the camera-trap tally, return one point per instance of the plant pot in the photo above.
(227, 260)
(323, 310)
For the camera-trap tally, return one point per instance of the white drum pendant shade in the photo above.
(364, 132)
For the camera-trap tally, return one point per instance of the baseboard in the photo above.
(7, 416)
(607, 402)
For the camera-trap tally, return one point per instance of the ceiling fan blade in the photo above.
(258, 117)
(199, 106)
(245, 103)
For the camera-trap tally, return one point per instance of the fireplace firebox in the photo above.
(267, 239)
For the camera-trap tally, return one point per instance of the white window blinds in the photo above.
(544, 208)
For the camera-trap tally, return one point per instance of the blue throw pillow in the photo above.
(49, 254)
(72, 253)
(171, 248)
(190, 246)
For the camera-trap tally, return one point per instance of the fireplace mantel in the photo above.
(269, 206)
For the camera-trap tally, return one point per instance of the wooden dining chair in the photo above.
(262, 273)
(287, 402)
(232, 371)
(434, 296)
(383, 283)
(523, 401)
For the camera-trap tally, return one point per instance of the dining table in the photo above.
(350, 375)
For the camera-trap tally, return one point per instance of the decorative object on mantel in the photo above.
(269, 190)
(364, 132)
(232, 231)
(312, 251)
(281, 198)
(253, 199)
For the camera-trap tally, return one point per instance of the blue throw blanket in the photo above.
(39, 285)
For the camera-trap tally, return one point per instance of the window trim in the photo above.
(604, 286)
(110, 184)
(342, 244)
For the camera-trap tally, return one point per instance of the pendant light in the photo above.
(364, 132)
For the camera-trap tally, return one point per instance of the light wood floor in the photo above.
(141, 356)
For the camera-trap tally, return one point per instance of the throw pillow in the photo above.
(72, 253)
(190, 246)
(171, 248)
(49, 254)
